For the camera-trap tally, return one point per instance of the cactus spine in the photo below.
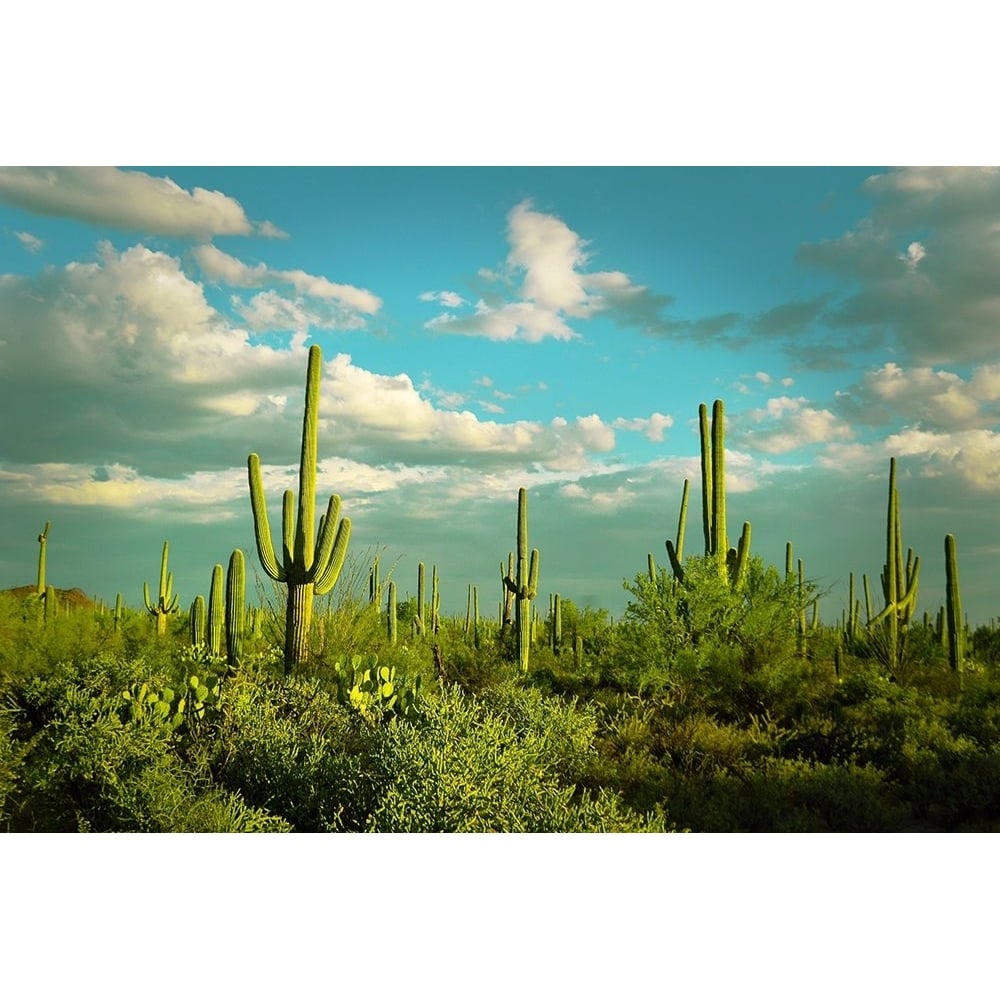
(167, 600)
(236, 586)
(311, 563)
(524, 587)
(953, 605)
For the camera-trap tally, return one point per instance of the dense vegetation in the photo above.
(687, 714)
(717, 702)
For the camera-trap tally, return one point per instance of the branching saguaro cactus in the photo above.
(524, 586)
(167, 600)
(899, 583)
(675, 549)
(953, 605)
(311, 563)
(732, 563)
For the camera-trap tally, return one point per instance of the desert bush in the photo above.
(500, 763)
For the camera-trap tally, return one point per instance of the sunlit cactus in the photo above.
(236, 587)
(524, 587)
(196, 621)
(167, 600)
(311, 562)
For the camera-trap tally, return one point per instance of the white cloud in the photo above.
(126, 199)
(30, 243)
(219, 266)
(786, 424)
(925, 395)
(450, 300)
(547, 260)
(651, 427)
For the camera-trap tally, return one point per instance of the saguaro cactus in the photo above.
(43, 539)
(196, 620)
(953, 605)
(311, 563)
(167, 600)
(733, 563)
(391, 621)
(215, 612)
(524, 587)
(899, 584)
(236, 587)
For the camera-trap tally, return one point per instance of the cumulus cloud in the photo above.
(786, 424)
(651, 427)
(127, 199)
(219, 266)
(935, 294)
(931, 397)
(547, 269)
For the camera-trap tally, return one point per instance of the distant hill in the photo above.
(75, 598)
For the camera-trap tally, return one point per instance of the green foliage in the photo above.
(673, 631)
(505, 762)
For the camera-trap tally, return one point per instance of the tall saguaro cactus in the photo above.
(311, 562)
(899, 583)
(524, 586)
(953, 604)
(43, 539)
(167, 600)
(236, 592)
(732, 563)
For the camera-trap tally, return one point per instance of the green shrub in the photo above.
(498, 763)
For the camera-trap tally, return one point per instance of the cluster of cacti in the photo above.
(372, 689)
(732, 563)
(524, 586)
(175, 709)
(167, 600)
(223, 618)
(311, 563)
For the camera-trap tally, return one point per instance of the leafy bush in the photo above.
(501, 763)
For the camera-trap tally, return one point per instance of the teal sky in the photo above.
(490, 328)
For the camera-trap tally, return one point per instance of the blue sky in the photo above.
(490, 328)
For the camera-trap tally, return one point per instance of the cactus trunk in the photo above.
(311, 562)
(953, 605)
